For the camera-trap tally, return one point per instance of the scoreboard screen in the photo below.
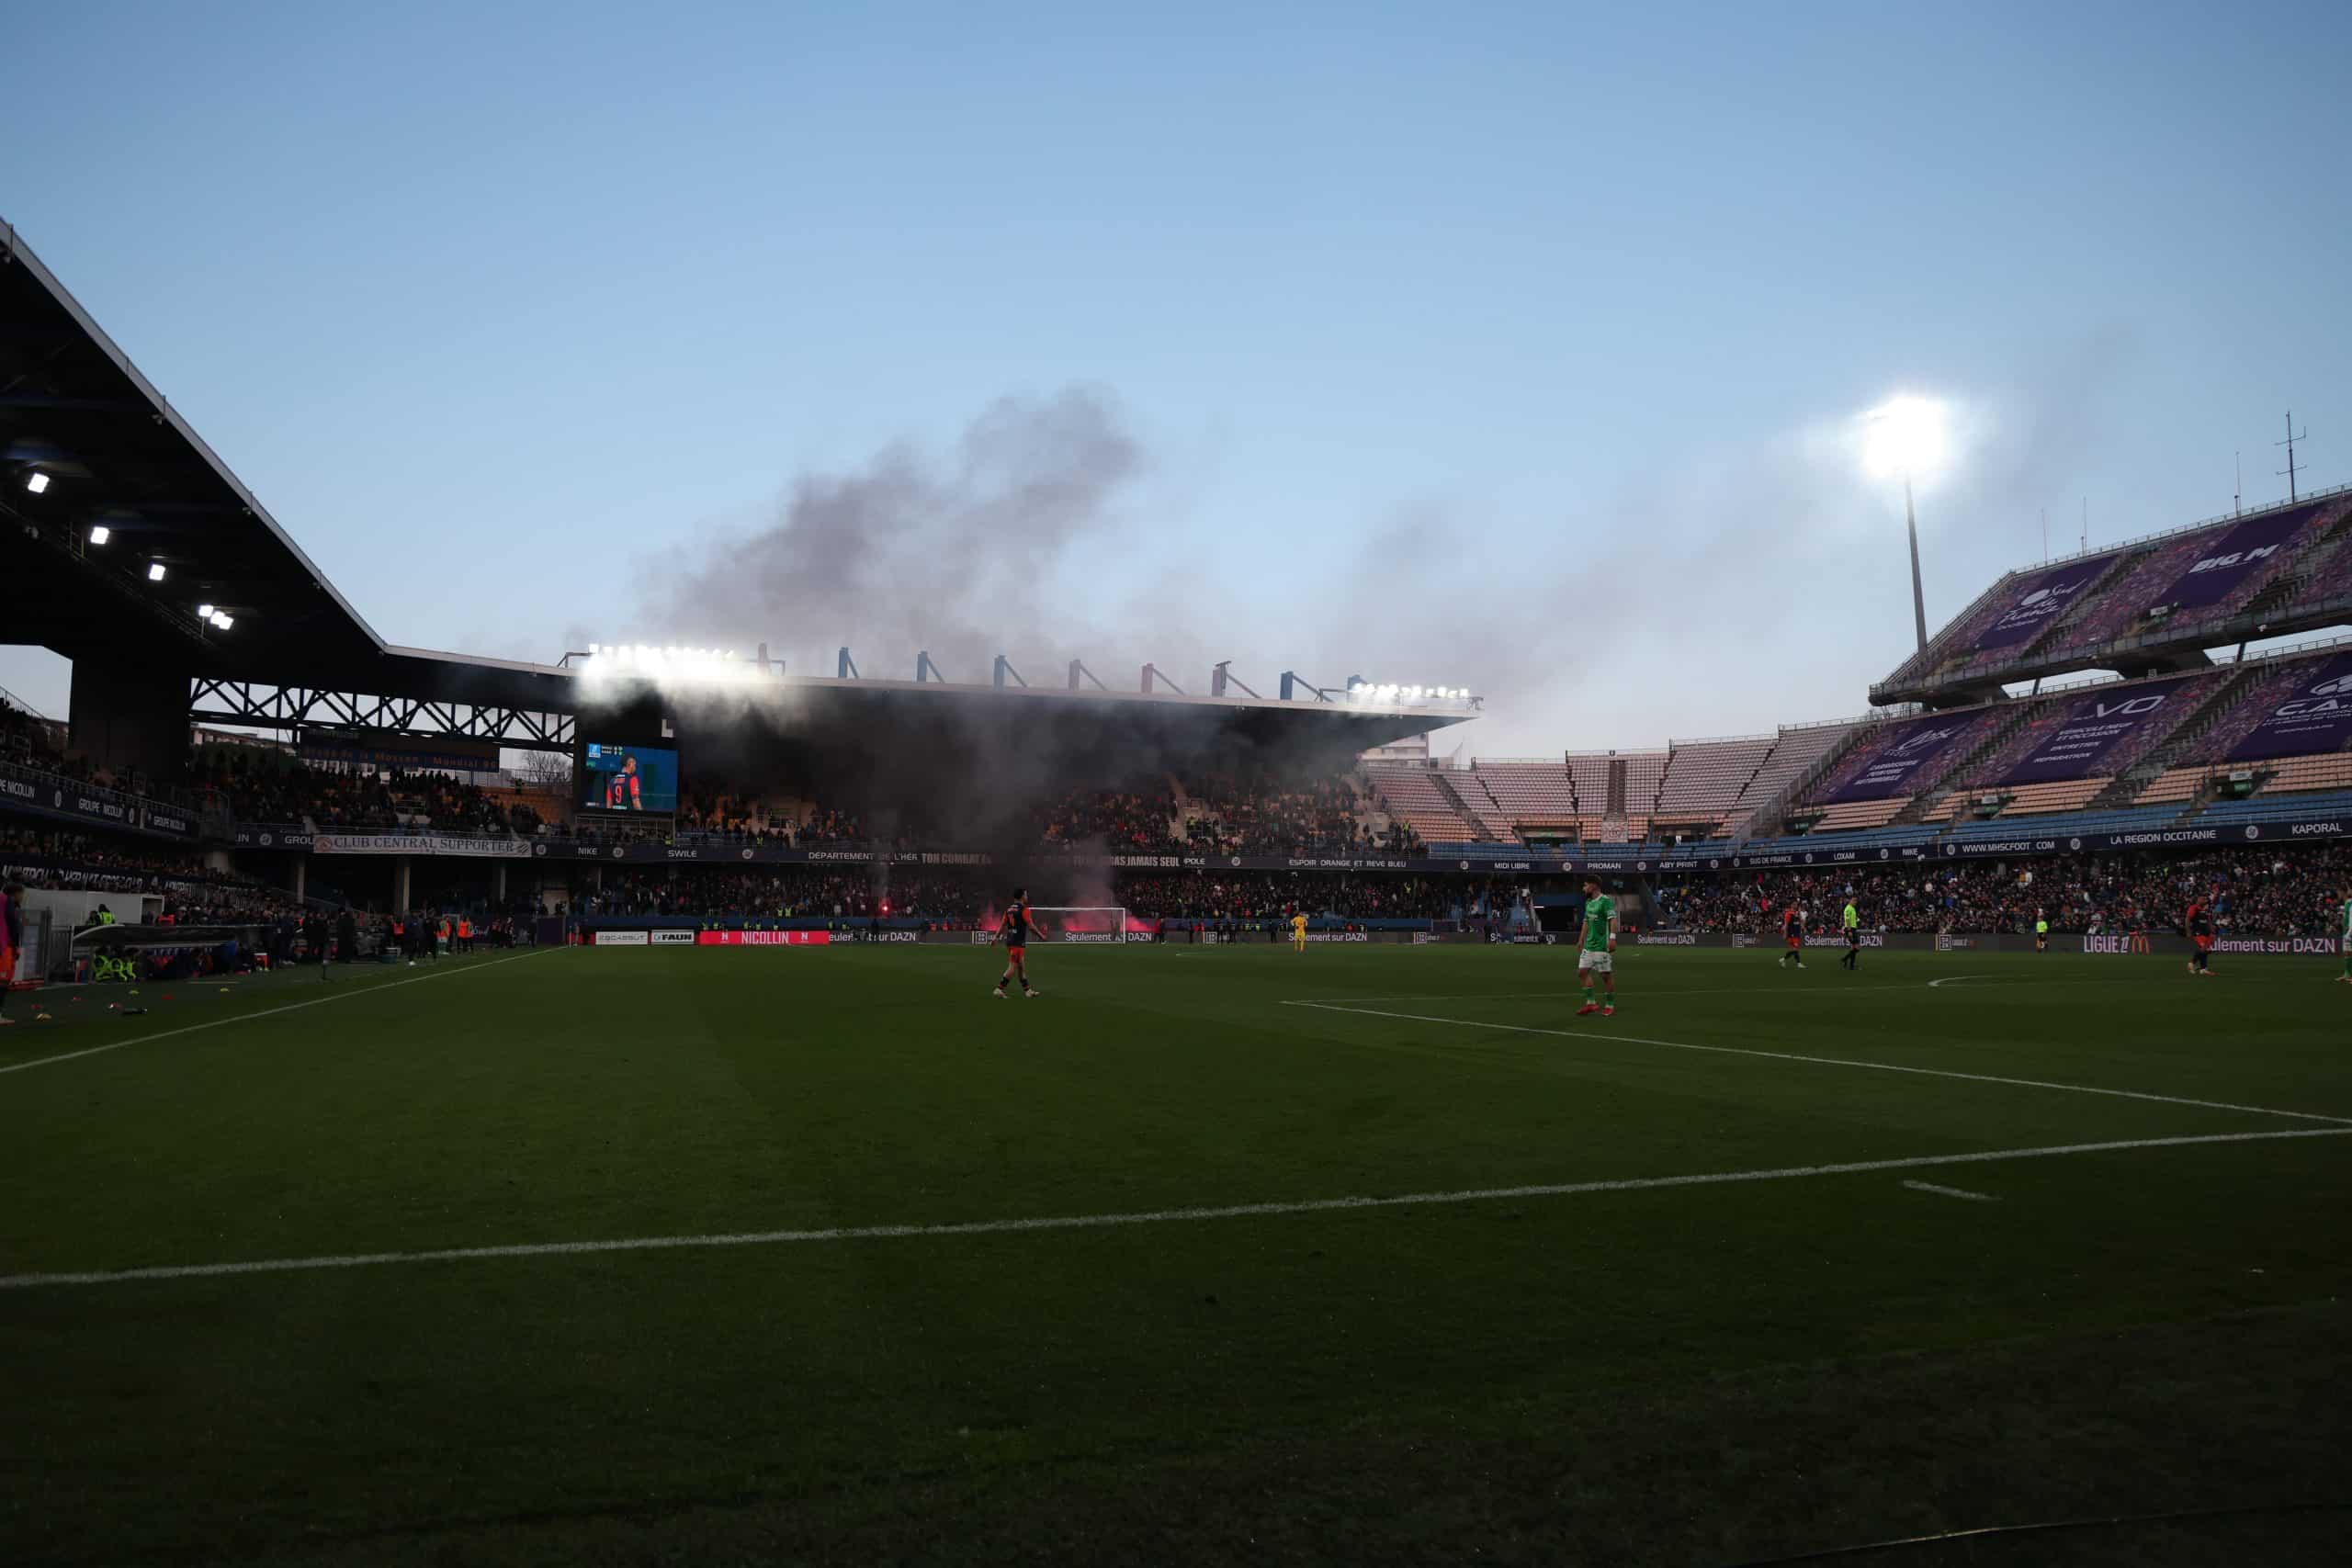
(629, 778)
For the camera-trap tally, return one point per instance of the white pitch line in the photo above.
(265, 1012)
(1649, 994)
(1702, 991)
(1952, 1192)
(1606, 1033)
(1107, 1222)
(1722, 990)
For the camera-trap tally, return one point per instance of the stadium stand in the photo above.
(2174, 785)
(1798, 749)
(1588, 777)
(1496, 819)
(1123, 822)
(2197, 704)
(2265, 808)
(2109, 610)
(1854, 814)
(2066, 795)
(1412, 795)
(1974, 730)
(1260, 817)
(2043, 717)
(2149, 600)
(2332, 770)
(1704, 779)
(1630, 808)
(1954, 649)
(1994, 764)
(2246, 709)
(2328, 577)
(1530, 793)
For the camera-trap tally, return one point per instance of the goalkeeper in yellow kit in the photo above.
(1298, 931)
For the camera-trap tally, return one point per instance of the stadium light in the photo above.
(204, 611)
(1362, 691)
(101, 533)
(154, 571)
(223, 619)
(700, 665)
(36, 481)
(1907, 435)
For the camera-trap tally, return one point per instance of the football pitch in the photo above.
(1208, 1255)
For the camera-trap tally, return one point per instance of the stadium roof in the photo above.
(116, 456)
(106, 450)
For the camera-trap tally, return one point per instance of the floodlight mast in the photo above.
(1918, 598)
(1900, 436)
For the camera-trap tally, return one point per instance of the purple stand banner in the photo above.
(2233, 557)
(1907, 748)
(2039, 598)
(2097, 724)
(2315, 715)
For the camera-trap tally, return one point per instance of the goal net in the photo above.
(1079, 922)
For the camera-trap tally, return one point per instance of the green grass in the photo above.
(1678, 1374)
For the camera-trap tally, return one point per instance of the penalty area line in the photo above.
(1114, 1221)
(362, 990)
(1605, 1032)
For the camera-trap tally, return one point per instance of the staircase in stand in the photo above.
(2207, 794)
(2137, 777)
(2289, 585)
(1477, 823)
(1768, 820)
(1927, 800)
(2052, 635)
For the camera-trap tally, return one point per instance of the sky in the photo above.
(1519, 347)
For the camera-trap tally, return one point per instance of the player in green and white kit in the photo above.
(2345, 911)
(1600, 955)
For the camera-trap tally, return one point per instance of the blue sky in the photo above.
(1505, 345)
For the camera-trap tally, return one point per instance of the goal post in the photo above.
(1080, 922)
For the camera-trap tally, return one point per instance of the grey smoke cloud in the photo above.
(957, 552)
(1758, 583)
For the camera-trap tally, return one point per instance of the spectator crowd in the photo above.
(2248, 891)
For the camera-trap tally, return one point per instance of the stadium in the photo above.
(466, 1109)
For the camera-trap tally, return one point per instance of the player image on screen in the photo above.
(1014, 930)
(636, 779)
(622, 791)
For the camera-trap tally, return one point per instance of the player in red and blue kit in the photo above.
(1014, 932)
(2200, 922)
(621, 793)
(1792, 933)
